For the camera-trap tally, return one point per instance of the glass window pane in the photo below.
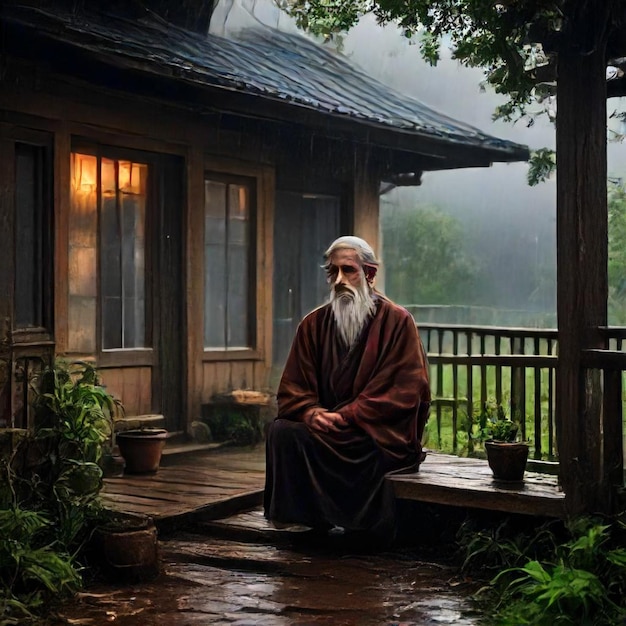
(29, 233)
(122, 236)
(227, 261)
(238, 298)
(119, 189)
(238, 254)
(82, 254)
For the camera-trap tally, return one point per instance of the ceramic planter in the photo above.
(141, 449)
(507, 460)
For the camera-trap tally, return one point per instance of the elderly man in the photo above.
(352, 404)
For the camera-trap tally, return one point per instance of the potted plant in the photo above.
(141, 449)
(506, 454)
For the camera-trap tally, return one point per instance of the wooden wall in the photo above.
(205, 142)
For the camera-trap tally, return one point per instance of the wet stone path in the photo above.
(243, 573)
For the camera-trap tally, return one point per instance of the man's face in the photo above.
(344, 271)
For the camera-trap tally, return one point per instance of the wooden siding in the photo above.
(71, 110)
(131, 385)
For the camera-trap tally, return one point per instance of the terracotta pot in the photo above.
(507, 460)
(141, 449)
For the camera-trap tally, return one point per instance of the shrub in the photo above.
(51, 486)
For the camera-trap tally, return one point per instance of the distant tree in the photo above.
(425, 258)
(617, 254)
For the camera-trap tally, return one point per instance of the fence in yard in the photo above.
(470, 365)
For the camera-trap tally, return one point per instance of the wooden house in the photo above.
(165, 196)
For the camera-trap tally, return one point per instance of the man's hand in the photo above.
(325, 421)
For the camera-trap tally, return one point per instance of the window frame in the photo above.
(43, 140)
(260, 265)
(125, 357)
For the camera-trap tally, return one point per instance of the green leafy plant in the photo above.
(51, 485)
(234, 425)
(488, 549)
(33, 572)
(495, 425)
(570, 575)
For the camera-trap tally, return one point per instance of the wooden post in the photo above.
(7, 270)
(518, 386)
(582, 250)
(366, 197)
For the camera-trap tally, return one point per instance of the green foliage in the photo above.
(72, 405)
(33, 570)
(617, 254)
(574, 576)
(492, 423)
(488, 550)
(234, 425)
(542, 164)
(422, 241)
(52, 483)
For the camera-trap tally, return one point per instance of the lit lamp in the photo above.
(84, 173)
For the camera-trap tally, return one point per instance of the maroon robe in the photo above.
(381, 388)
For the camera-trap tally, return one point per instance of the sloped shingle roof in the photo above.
(266, 63)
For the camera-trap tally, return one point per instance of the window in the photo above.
(229, 276)
(33, 236)
(107, 254)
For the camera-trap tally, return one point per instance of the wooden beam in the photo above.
(582, 227)
(366, 198)
(467, 482)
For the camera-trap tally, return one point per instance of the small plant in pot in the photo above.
(506, 454)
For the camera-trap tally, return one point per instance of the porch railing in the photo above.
(472, 364)
(513, 366)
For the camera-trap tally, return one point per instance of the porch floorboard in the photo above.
(222, 482)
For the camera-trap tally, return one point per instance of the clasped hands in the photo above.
(324, 421)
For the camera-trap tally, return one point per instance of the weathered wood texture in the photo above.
(218, 483)
(582, 226)
(214, 484)
(366, 199)
(131, 385)
(457, 481)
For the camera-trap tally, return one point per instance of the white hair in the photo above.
(363, 249)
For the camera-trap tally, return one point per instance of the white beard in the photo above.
(352, 308)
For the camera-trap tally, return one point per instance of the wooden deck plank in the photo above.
(468, 482)
(217, 482)
(205, 482)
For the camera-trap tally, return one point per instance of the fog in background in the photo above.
(509, 227)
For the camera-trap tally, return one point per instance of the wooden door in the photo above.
(304, 226)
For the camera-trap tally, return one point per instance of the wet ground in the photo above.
(242, 576)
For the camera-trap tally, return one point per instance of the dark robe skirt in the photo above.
(323, 480)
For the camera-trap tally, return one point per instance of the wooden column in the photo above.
(366, 198)
(194, 296)
(7, 273)
(582, 228)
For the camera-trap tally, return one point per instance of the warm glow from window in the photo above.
(106, 254)
(243, 201)
(84, 169)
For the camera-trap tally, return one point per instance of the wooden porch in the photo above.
(221, 482)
